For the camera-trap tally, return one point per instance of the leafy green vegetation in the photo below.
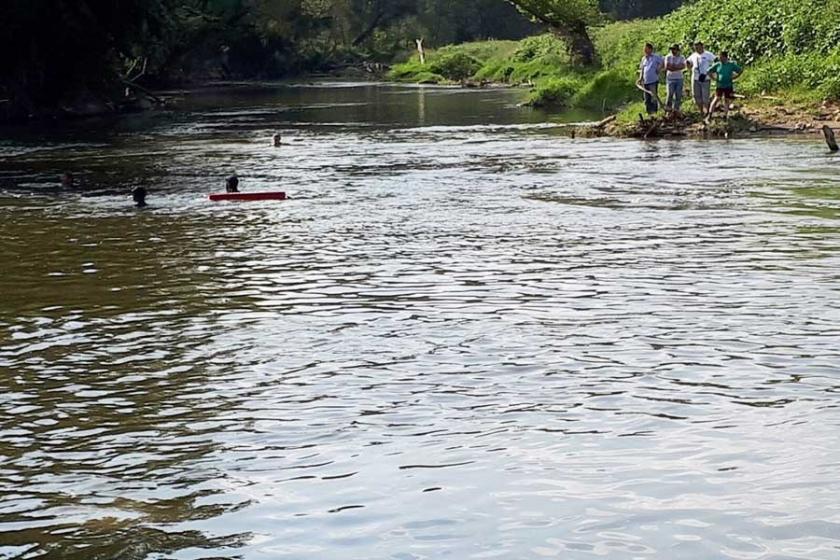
(568, 19)
(62, 53)
(557, 92)
(59, 55)
(605, 91)
(789, 47)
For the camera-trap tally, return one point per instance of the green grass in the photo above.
(453, 63)
(555, 92)
(619, 44)
(510, 62)
(606, 90)
(789, 48)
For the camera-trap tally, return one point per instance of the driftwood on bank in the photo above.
(130, 81)
(652, 94)
(144, 91)
(604, 122)
(830, 139)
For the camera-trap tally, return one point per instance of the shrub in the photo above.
(483, 50)
(428, 78)
(756, 29)
(555, 92)
(816, 72)
(620, 44)
(455, 66)
(547, 45)
(407, 71)
(607, 90)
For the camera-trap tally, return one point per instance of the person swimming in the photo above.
(67, 180)
(139, 196)
(232, 184)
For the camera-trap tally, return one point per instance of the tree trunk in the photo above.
(572, 30)
(579, 42)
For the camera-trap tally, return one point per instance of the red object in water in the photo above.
(248, 197)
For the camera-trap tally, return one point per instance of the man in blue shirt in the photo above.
(649, 69)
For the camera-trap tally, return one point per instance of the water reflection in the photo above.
(474, 340)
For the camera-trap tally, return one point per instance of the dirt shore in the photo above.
(763, 117)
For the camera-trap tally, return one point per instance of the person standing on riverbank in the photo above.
(701, 86)
(674, 65)
(725, 72)
(649, 69)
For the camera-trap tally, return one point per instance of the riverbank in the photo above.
(788, 49)
(748, 118)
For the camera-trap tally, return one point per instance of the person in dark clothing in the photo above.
(232, 184)
(139, 196)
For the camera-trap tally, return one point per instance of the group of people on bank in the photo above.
(702, 66)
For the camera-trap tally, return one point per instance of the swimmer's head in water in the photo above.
(67, 180)
(139, 196)
(232, 183)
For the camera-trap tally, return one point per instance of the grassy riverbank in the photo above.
(788, 47)
(540, 62)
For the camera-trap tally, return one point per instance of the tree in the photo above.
(569, 19)
(631, 9)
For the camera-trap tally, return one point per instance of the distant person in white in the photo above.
(675, 64)
(700, 62)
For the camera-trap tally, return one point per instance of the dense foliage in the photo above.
(757, 29)
(569, 19)
(634, 9)
(58, 54)
(786, 44)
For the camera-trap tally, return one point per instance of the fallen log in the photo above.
(828, 134)
(604, 122)
(144, 91)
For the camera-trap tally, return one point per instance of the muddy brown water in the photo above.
(465, 336)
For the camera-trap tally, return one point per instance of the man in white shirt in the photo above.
(700, 62)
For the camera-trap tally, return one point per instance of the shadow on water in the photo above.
(107, 432)
(463, 335)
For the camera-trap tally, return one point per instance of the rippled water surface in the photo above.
(465, 336)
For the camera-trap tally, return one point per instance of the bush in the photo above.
(607, 90)
(428, 78)
(818, 73)
(619, 44)
(752, 30)
(555, 92)
(407, 71)
(453, 62)
(483, 50)
(548, 45)
(455, 66)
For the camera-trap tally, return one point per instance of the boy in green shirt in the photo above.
(726, 73)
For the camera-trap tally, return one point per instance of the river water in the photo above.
(466, 335)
